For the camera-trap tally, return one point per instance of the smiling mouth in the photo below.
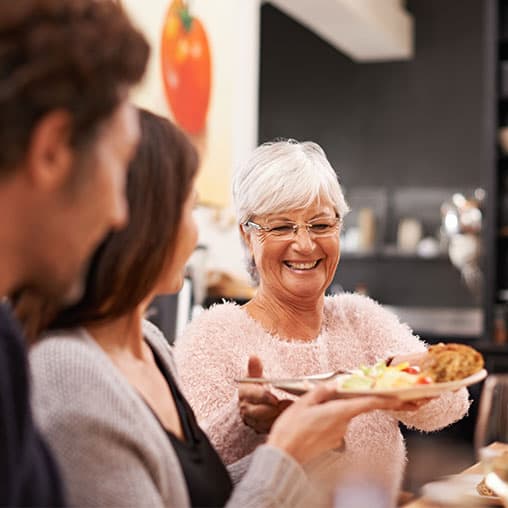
(302, 266)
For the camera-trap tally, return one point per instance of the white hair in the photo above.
(280, 176)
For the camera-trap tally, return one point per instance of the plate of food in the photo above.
(481, 490)
(444, 368)
(461, 490)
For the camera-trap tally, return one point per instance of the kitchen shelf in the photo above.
(390, 252)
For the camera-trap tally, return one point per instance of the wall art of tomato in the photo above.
(186, 67)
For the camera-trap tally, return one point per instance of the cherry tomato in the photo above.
(424, 380)
(186, 67)
(412, 369)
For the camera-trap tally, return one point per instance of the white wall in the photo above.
(219, 232)
(230, 133)
(234, 31)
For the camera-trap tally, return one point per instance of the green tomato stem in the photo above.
(185, 16)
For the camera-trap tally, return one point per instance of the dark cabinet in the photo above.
(496, 151)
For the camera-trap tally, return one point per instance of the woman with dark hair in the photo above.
(106, 393)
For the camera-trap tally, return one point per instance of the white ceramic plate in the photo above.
(459, 490)
(299, 387)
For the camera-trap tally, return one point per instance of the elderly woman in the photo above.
(106, 392)
(289, 208)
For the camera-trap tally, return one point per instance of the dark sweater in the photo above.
(28, 473)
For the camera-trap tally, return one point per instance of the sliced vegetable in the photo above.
(383, 377)
(412, 369)
(358, 382)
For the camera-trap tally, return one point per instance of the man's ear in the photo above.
(49, 156)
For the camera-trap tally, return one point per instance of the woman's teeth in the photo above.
(301, 266)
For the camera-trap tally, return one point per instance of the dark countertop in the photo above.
(442, 323)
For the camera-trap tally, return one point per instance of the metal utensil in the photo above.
(325, 376)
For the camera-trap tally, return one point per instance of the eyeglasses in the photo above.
(319, 228)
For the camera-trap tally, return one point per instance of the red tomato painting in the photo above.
(186, 67)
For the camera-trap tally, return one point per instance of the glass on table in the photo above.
(491, 434)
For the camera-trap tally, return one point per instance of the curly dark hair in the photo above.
(75, 55)
(126, 267)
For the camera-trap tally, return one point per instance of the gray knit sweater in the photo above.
(111, 449)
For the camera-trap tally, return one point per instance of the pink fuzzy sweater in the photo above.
(214, 350)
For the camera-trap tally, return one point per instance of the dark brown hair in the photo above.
(125, 268)
(59, 54)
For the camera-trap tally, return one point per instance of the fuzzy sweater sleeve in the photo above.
(273, 480)
(100, 461)
(386, 336)
(210, 354)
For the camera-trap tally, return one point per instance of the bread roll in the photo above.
(450, 362)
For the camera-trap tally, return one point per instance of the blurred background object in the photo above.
(367, 229)
(409, 234)
(197, 270)
(462, 224)
(222, 285)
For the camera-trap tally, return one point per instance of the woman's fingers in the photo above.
(347, 408)
(284, 404)
(254, 367)
(355, 406)
(260, 427)
(413, 405)
(256, 394)
(322, 393)
(260, 417)
(253, 392)
(258, 412)
(316, 423)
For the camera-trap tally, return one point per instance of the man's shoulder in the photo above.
(13, 356)
(10, 331)
(29, 474)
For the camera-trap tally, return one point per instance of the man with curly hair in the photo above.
(67, 135)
